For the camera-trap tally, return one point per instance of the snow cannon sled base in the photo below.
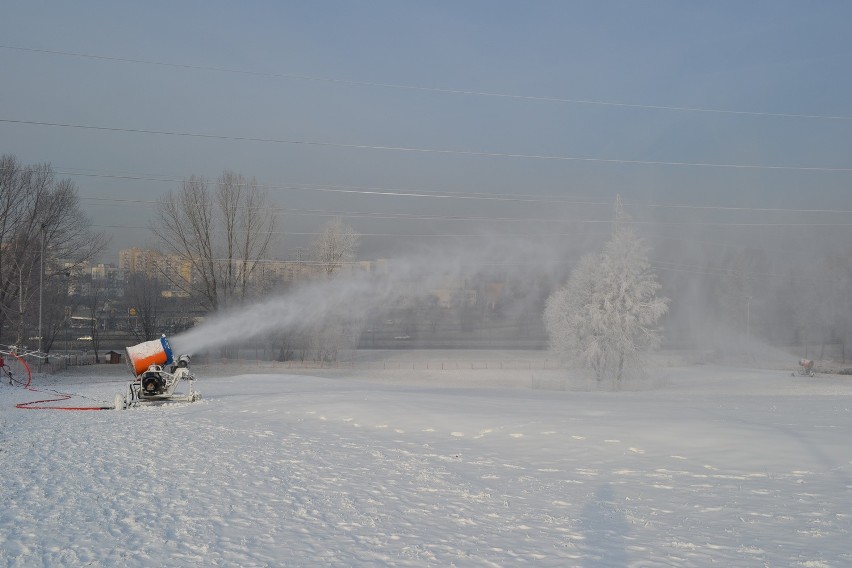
(153, 383)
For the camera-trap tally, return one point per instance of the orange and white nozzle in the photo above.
(143, 355)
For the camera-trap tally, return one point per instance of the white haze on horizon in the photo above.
(741, 300)
(523, 265)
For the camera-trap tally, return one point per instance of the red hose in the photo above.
(62, 396)
(24, 365)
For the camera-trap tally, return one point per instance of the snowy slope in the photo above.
(721, 466)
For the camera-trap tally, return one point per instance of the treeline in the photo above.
(735, 298)
(40, 221)
(221, 231)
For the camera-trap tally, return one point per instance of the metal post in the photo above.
(748, 320)
(67, 311)
(41, 288)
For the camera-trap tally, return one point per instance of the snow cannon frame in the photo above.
(152, 383)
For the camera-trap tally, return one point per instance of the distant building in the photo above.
(75, 272)
(105, 272)
(174, 268)
(169, 268)
(283, 271)
(177, 273)
(135, 260)
(109, 278)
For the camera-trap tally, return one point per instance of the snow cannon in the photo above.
(140, 357)
(806, 368)
(152, 382)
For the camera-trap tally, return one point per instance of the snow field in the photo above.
(712, 466)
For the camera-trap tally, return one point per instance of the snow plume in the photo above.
(343, 297)
(527, 268)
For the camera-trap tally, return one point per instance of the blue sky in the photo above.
(758, 58)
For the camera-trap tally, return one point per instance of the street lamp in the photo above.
(41, 287)
(66, 279)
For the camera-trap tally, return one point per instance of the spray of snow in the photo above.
(521, 265)
(730, 297)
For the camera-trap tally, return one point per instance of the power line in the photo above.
(709, 270)
(352, 214)
(384, 192)
(446, 91)
(466, 218)
(674, 267)
(732, 208)
(121, 202)
(409, 149)
(664, 265)
(698, 272)
(403, 192)
(387, 235)
(681, 238)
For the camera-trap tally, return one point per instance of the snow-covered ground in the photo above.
(708, 465)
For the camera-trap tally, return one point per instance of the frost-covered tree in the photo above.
(333, 333)
(336, 245)
(605, 316)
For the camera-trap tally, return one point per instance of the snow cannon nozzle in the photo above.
(143, 355)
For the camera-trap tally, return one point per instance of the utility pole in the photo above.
(619, 217)
(66, 280)
(41, 288)
(748, 321)
(299, 251)
(619, 211)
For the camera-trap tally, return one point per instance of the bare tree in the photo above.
(95, 304)
(333, 247)
(26, 291)
(224, 234)
(832, 284)
(38, 214)
(144, 294)
(58, 308)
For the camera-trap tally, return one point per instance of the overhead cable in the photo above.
(422, 88)
(409, 149)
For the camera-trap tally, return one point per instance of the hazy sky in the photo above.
(606, 81)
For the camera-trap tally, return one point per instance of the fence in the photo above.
(392, 364)
(40, 362)
(55, 362)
